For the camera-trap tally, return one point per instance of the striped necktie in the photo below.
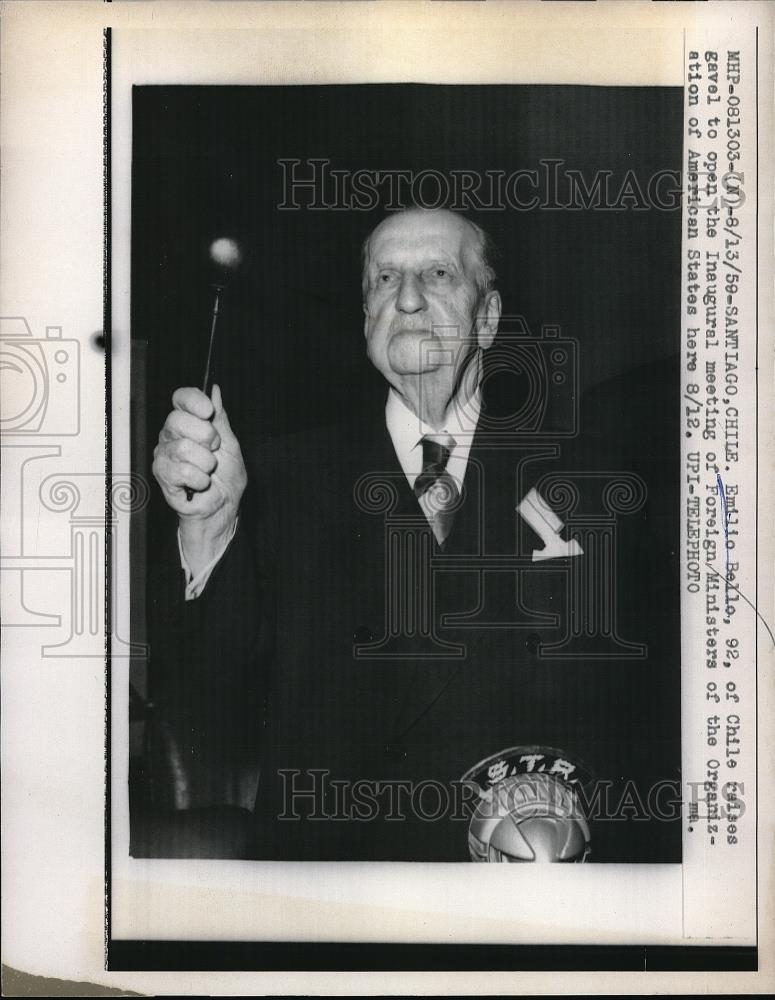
(436, 485)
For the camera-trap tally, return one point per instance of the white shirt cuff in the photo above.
(196, 584)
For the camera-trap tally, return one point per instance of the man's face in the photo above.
(422, 302)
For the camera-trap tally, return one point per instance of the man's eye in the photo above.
(440, 274)
(385, 278)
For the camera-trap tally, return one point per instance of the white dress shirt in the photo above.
(196, 584)
(407, 430)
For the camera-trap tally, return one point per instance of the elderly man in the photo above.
(365, 613)
(430, 311)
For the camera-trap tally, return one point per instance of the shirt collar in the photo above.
(406, 429)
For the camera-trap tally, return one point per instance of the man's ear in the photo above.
(489, 317)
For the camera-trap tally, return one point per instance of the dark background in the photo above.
(290, 352)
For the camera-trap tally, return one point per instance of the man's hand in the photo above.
(197, 449)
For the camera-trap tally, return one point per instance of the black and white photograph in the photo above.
(386, 427)
(407, 382)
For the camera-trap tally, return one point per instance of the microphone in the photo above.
(528, 807)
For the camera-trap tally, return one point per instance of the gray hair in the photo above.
(484, 247)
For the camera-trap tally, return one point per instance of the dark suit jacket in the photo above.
(286, 664)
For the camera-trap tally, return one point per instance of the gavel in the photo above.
(227, 255)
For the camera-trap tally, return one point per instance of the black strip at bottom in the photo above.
(304, 956)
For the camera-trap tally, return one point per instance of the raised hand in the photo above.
(198, 450)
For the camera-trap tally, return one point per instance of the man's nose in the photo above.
(410, 295)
